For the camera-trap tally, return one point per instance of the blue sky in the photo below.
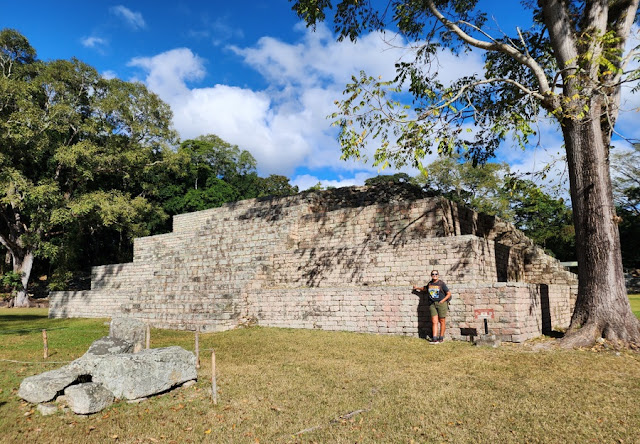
(245, 70)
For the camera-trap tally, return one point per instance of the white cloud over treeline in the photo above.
(285, 125)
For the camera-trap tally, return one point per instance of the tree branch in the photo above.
(462, 90)
(495, 46)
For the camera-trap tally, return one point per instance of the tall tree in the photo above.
(75, 149)
(570, 63)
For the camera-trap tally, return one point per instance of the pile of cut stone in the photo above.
(114, 367)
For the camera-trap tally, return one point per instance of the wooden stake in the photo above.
(214, 385)
(148, 336)
(46, 344)
(198, 347)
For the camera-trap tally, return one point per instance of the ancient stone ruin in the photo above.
(114, 367)
(342, 259)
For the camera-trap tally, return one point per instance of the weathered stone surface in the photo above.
(109, 346)
(130, 330)
(45, 386)
(343, 259)
(88, 398)
(488, 341)
(47, 409)
(152, 371)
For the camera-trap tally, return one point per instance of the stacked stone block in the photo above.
(343, 259)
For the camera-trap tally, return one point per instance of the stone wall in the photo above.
(342, 259)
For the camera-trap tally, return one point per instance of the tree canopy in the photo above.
(492, 189)
(88, 163)
(76, 151)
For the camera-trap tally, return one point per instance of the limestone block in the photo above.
(129, 329)
(88, 398)
(146, 373)
(45, 386)
(109, 346)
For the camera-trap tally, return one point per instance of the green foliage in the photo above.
(276, 185)
(316, 187)
(76, 155)
(481, 187)
(208, 172)
(492, 189)
(522, 75)
(12, 280)
(546, 220)
(389, 179)
(60, 279)
(210, 156)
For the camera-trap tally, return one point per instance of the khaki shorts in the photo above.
(439, 309)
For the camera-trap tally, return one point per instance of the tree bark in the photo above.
(602, 307)
(23, 266)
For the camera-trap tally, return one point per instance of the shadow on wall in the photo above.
(424, 319)
(545, 310)
(387, 231)
(114, 270)
(502, 253)
(64, 301)
(539, 302)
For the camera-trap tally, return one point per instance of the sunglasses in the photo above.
(434, 274)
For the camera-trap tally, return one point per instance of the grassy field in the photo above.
(635, 304)
(283, 385)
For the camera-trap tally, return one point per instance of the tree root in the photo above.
(620, 337)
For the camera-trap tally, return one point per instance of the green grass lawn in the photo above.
(285, 385)
(635, 304)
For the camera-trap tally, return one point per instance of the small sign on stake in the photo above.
(484, 314)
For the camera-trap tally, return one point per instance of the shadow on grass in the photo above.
(554, 334)
(21, 317)
(22, 323)
(24, 331)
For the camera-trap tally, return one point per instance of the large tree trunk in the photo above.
(602, 308)
(23, 266)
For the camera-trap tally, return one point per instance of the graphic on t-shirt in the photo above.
(434, 293)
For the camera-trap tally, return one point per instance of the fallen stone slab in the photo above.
(45, 386)
(143, 374)
(109, 346)
(88, 398)
(129, 329)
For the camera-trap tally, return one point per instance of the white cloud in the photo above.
(109, 75)
(93, 42)
(285, 125)
(133, 19)
(306, 181)
(167, 73)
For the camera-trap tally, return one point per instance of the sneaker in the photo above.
(434, 340)
(440, 339)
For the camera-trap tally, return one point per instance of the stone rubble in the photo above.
(109, 371)
(88, 398)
